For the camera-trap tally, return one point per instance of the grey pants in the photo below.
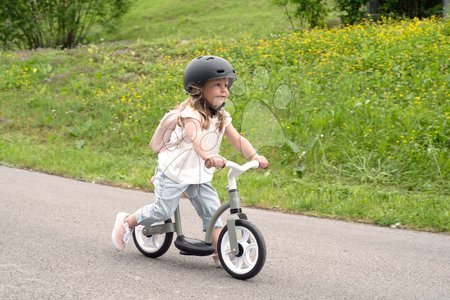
(203, 197)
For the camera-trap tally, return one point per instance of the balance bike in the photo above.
(241, 246)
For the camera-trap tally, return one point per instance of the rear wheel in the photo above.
(252, 251)
(155, 245)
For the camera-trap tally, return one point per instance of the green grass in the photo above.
(184, 20)
(354, 121)
(55, 156)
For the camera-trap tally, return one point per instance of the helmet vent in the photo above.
(220, 71)
(210, 58)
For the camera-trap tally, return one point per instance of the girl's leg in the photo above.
(167, 194)
(215, 238)
(131, 221)
(206, 201)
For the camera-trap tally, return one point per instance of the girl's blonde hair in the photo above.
(200, 104)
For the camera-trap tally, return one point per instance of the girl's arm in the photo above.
(191, 128)
(242, 145)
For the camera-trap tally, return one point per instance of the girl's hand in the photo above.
(215, 161)
(263, 163)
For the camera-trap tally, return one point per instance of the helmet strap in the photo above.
(215, 110)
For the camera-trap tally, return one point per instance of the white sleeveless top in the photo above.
(180, 162)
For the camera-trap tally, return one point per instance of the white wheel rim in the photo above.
(247, 261)
(149, 244)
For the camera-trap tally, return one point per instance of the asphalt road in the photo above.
(55, 244)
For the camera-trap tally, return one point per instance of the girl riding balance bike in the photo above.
(187, 141)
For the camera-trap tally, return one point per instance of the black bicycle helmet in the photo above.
(204, 68)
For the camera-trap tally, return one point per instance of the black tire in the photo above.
(252, 251)
(160, 243)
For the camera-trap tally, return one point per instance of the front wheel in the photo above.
(155, 245)
(252, 251)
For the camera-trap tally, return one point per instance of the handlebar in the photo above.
(235, 170)
(253, 164)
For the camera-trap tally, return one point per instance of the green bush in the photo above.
(309, 13)
(54, 23)
(352, 11)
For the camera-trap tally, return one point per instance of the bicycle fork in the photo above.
(235, 214)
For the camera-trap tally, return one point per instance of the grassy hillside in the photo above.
(148, 20)
(353, 120)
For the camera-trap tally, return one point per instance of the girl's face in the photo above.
(216, 91)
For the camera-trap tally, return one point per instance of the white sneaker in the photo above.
(121, 233)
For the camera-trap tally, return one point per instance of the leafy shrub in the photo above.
(310, 13)
(352, 10)
(54, 23)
